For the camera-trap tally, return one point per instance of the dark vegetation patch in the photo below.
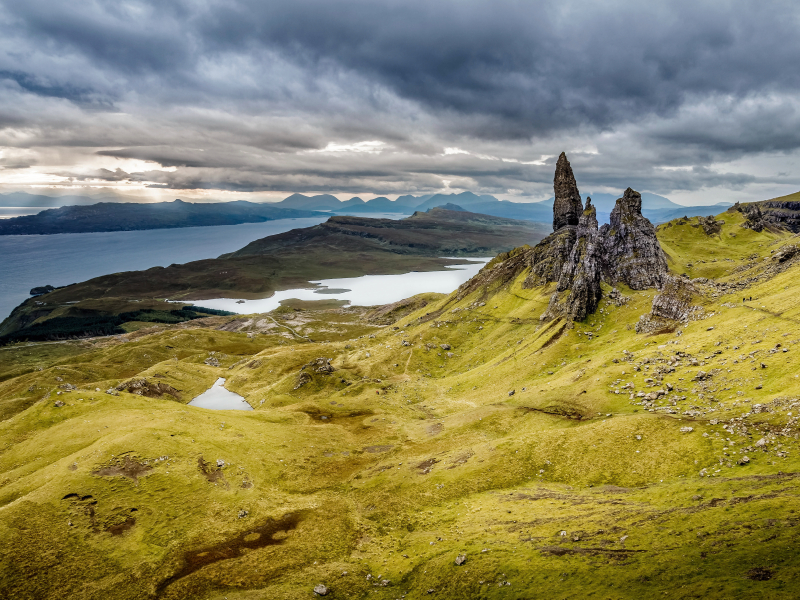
(759, 574)
(60, 328)
(252, 539)
(555, 410)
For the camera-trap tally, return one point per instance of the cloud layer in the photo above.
(696, 99)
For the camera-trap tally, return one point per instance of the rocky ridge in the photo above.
(579, 256)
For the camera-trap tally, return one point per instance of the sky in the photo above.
(695, 100)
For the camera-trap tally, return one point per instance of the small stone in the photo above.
(512, 392)
(687, 429)
(461, 559)
(761, 443)
(58, 404)
(243, 513)
(320, 590)
(744, 460)
(445, 346)
(220, 463)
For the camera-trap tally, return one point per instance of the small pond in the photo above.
(218, 398)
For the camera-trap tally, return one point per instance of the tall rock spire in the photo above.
(567, 208)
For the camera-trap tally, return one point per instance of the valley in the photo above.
(495, 442)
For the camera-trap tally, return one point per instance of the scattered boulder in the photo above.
(320, 365)
(687, 429)
(445, 347)
(461, 559)
(149, 389)
(58, 403)
(785, 253)
(212, 361)
(320, 590)
(302, 379)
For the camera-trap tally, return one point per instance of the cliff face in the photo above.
(578, 290)
(578, 256)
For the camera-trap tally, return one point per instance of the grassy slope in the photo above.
(421, 456)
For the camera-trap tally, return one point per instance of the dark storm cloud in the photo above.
(237, 94)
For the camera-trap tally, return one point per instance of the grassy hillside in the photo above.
(541, 452)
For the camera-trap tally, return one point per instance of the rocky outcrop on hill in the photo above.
(754, 219)
(578, 256)
(710, 225)
(578, 290)
(673, 306)
(781, 214)
(632, 254)
(567, 207)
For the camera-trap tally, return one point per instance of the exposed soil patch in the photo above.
(378, 449)
(127, 467)
(426, 466)
(212, 473)
(759, 574)
(271, 533)
(435, 429)
(120, 528)
(330, 417)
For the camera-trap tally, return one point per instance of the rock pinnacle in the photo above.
(567, 208)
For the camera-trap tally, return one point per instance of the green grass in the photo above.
(422, 456)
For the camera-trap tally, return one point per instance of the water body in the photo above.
(218, 398)
(33, 260)
(368, 290)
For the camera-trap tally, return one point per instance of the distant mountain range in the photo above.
(113, 213)
(656, 208)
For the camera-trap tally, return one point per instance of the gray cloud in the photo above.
(242, 95)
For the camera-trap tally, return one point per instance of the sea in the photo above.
(30, 261)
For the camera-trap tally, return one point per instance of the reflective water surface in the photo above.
(218, 398)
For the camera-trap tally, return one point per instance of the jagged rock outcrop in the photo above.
(673, 306)
(632, 254)
(710, 225)
(567, 207)
(770, 214)
(578, 290)
(754, 219)
(578, 256)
